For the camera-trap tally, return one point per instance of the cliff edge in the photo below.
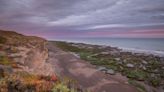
(27, 53)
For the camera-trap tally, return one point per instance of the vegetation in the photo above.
(138, 72)
(154, 81)
(2, 40)
(4, 60)
(24, 81)
(140, 87)
(67, 47)
(66, 85)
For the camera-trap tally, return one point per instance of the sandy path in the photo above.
(88, 77)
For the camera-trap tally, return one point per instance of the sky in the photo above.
(84, 18)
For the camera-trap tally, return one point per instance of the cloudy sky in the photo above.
(84, 18)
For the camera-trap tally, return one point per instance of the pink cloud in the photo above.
(151, 33)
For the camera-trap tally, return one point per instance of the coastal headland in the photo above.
(33, 64)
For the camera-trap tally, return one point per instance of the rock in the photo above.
(114, 52)
(156, 71)
(94, 55)
(102, 47)
(110, 71)
(76, 55)
(152, 75)
(101, 68)
(144, 62)
(144, 68)
(90, 47)
(120, 62)
(124, 61)
(163, 67)
(130, 65)
(117, 59)
(75, 45)
(105, 53)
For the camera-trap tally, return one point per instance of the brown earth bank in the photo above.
(29, 52)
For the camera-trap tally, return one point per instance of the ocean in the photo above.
(145, 45)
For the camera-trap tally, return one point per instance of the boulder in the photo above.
(76, 55)
(130, 65)
(144, 68)
(105, 53)
(117, 59)
(101, 68)
(144, 62)
(110, 71)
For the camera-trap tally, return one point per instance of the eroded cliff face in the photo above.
(27, 53)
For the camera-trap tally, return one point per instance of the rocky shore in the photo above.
(144, 71)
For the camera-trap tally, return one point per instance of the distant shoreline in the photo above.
(148, 52)
(132, 50)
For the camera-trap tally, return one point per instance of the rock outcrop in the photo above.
(29, 53)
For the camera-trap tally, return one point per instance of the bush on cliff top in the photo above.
(4, 60)
(2, 40)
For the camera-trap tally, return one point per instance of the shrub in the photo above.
(83, 55)
(2, 40)
(60, 87)
(4, 60)
(3, 85)
(2, 74)
(140, 87)
(136, 74)
(154, 81)
(28, 82)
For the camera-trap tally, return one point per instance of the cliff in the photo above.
(25, 65)
(27, 53)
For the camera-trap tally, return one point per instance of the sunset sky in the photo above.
(84, 18)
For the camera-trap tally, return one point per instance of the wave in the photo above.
(148, 52)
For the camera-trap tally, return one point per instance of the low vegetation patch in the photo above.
(136, 74)
(154, 81)
(2, 40)
(139, 86)
(4, 60)
(68, 47)
(26, 82)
